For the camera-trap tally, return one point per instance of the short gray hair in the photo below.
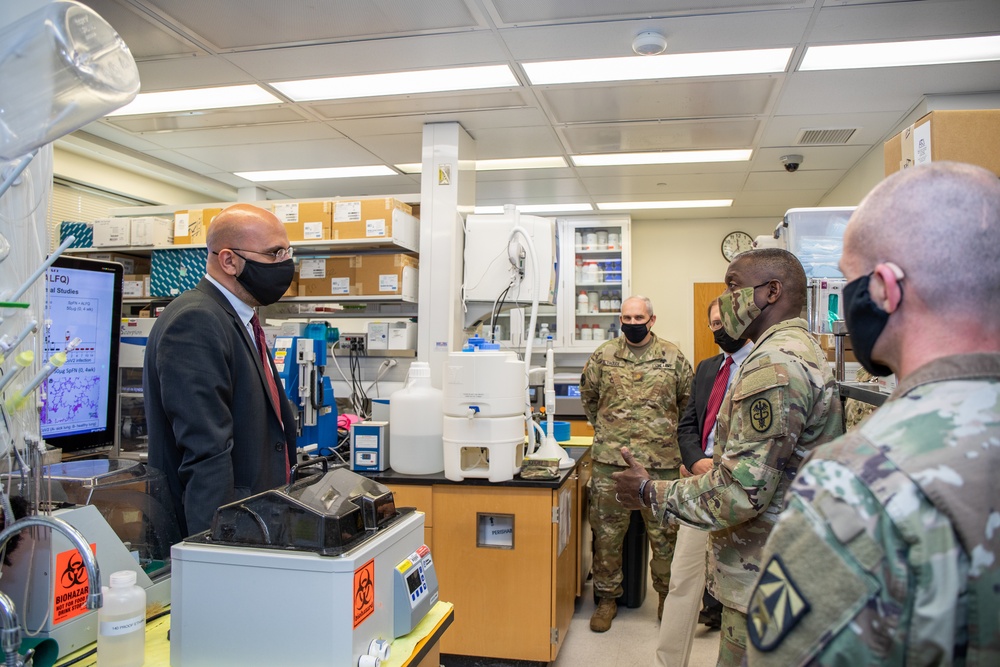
(645, 301)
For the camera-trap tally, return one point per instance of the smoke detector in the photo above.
(649, 43)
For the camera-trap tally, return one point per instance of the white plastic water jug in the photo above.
(415, 423)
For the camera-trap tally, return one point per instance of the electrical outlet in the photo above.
(353, 342)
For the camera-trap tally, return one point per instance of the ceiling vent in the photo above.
(825, 136)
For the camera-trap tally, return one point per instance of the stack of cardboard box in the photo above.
(392, 274)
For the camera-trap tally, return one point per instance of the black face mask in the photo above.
(635, 333)
(865, 322)
(727, 342)
(266, 282)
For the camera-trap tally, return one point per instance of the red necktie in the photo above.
(265, 360)
(715, 400)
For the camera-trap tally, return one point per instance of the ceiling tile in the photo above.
(538, 189)
(189, 72)
(520, 12)
(525, 142)
(265, 23)
(669, 135)
(881, 21)
(377, 55)
(285, 155)
(811, 179)
(145, 37)
(206, 120)
(736, 96)
(870, 127)
(667, 185)
(825, 157)
(258, 134)
(417, 105)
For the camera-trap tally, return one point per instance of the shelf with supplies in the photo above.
(302, 248)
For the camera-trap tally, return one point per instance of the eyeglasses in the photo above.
(279, 255)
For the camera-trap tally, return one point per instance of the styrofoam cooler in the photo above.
(484, 402)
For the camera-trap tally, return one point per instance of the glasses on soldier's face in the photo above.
(715, 325)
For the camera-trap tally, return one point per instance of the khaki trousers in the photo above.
(680, 609)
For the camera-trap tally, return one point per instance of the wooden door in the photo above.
(704, 343)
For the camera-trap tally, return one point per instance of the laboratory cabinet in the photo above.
(593, 256)
(508, 556)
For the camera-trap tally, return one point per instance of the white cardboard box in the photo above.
(109, 232)
(402, 335)
(151, 231)
(378, 336)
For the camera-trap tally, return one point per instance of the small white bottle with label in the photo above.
(121, 634)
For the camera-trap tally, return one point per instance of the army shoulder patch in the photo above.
(776, 606)
(761, 415)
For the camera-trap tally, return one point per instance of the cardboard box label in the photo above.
(375, 227)
(312, 268)
(312, 231)
(388, 282)
(181, 224)
(922, 144)
(287, 212)
(347, 211)
(340, 285)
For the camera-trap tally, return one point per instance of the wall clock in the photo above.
(735, 243)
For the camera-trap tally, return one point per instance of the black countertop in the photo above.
(393, 477)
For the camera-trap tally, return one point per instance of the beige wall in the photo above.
(88, 171)
(669, 256)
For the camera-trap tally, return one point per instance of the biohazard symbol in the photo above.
(364, 592)
(776, 606)
(75, 573)
(760, 415)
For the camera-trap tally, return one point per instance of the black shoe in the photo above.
(711, 619)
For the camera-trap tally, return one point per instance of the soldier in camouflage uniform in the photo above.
(889, 551)
(856, 411)
(634, 389)
(783, 403)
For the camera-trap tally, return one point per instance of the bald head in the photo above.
(940, 223)
(239, 232)
(238, 224)
(763, 264)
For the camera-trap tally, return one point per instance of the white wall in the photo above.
(669, 256)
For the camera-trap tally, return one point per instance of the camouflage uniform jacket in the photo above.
(636, 402)
(889, 551)
(783, 403)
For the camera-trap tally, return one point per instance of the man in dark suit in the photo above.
(696, 440)
(220, 428)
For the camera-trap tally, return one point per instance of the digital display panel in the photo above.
(82, 300)
(413, 580)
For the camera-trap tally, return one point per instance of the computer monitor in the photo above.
(83, 299)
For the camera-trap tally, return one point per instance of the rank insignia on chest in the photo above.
(760, 415)
(776, 606)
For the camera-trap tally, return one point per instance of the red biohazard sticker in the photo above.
(364, 592)
(69, 598)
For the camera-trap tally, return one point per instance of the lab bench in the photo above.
(420, 648)
(509, 556)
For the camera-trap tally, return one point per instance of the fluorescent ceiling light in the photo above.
(646, 205)
(902, 54)
(195, 99)
(499, 165)
(661, 157)
(399, 83)
(670, 66)
(320, 173)
(536, 208)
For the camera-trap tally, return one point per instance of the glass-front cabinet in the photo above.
(595, 252)
(594, 275)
